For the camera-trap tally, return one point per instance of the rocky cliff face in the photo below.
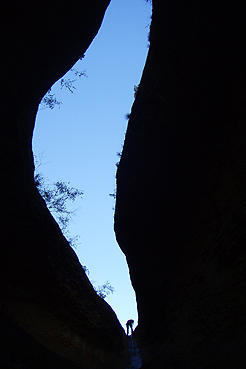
(50, 315)
(180, 212)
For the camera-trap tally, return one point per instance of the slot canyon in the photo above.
(180, 214)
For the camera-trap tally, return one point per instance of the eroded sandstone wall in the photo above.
(46, 301)
(180, 211)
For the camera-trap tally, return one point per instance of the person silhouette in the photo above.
(129, 324)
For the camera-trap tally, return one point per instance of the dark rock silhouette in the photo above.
(49, 304)
(180, 210)
(20, 350)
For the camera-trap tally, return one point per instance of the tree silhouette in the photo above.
(56, 196)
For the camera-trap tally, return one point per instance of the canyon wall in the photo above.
(50, 316)
(180, 212)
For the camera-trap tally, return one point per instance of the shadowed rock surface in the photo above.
(47, 303)
(180, 211)
(134, 358)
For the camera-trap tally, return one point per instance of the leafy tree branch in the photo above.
(50, 101)
(56, 196)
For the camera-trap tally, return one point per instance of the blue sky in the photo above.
(79, 141)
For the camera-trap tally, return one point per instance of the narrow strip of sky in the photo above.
(81, 138)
